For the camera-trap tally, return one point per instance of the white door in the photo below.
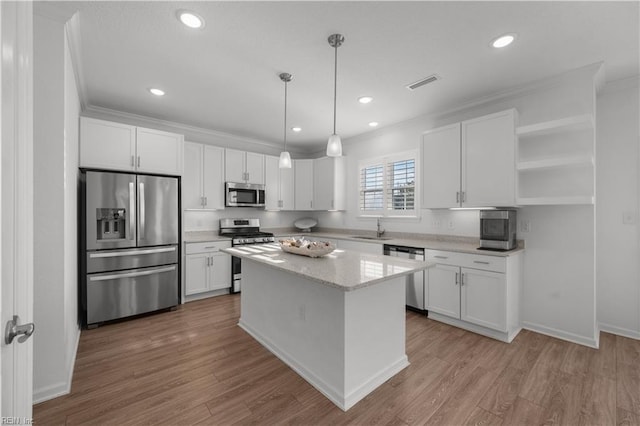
(213, 176)
(107, 145)
(444, 290)
(483, 298)
(323, 183)
(272, 182)
(16, 212)
(220, 271)
(441, 167)
(287, 188)
(488, 157)
(234, 166)
(197, 273)
(255, 168)
(159, 152)
(192, 190)
(303, 172)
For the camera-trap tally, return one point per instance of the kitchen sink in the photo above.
(366, 237)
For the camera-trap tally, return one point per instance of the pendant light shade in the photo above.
(285, 158)
(334, 144)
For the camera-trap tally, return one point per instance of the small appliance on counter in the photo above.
(498, 230)
(242, 232)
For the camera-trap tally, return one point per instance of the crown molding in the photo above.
(628, 83)
(190, 132)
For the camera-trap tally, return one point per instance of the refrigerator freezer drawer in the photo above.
(121, 294)
(116, 260)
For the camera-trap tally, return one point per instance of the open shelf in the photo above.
(567, 124)
(568, 200)
(550, 163)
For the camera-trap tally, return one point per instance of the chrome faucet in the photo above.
(379, 231)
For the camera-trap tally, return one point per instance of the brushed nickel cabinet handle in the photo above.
(481, 262)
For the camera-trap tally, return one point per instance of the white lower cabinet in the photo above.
(206, 267)
(478, 293)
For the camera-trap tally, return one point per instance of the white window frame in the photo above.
(385, 161)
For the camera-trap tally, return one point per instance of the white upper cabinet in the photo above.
(279, 185)
(116, 146)
(158, 151)
(203, 177)
(488, 160)
(303, 172)
(329, 183)
(441, 167)
(470, 164)
(244, 166)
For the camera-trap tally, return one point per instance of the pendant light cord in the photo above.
(335, 86)
(285, 115)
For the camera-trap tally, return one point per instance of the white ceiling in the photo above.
(225, 77)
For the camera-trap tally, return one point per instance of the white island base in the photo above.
(344, 343)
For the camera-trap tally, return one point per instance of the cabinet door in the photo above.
(220, 271)
(192, 190)
(303, 171)
(443, 290)
(287, 188)
(213, 177)
(483, 298)
(107, 145)
(159, 152)
(488, 170)
(441, 167)
(255, 167)
(272, 183)
(323, 183)
(234, 165)
(196, 273)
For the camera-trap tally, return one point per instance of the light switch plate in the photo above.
(525, 226)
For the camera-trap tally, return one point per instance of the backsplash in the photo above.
(194, 220)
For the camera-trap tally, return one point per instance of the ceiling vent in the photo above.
(422, 82)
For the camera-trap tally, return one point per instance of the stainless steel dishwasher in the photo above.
(415, 282)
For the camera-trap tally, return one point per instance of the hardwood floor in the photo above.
(196, 366)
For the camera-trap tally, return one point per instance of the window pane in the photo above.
(371, 187)
(401, 187)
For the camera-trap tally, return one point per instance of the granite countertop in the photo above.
(203, 236)
(432, 242)
(344, 269)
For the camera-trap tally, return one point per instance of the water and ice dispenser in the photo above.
(111, 224)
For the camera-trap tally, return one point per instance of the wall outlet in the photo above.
(451, 225)
(525, 226)
(629, 218)
(436, 224)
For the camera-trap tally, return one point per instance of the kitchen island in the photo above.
(337, 320)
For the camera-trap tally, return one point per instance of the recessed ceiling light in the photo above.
(190, 19)
(157, 92)
(365, 99)
(503, 41)
(296, 129)
(373, 124)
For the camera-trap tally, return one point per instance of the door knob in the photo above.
(13, 329)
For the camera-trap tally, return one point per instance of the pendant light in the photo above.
(334, 145)
(285, 158)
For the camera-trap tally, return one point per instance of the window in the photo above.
(388, 186)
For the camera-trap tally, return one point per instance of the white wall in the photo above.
(56, 111)
(559, 273)
(618, 247)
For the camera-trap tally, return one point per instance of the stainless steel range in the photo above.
(242, 232)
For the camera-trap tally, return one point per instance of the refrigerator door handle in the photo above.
(131, 252)
(132, 212)
(142, 211)
(132, 274)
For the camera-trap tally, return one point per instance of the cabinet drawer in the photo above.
(444, 257)
(485, 263)
(211, 246)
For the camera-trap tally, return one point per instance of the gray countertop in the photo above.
(427, 241)
(344, 269)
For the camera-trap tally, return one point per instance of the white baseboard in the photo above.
(562, 335)
(625, 332)
(344, 402)
(61, 388)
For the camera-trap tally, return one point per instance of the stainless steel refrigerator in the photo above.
(129, 245)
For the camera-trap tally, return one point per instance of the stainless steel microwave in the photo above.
(244, 194)
(498, 229)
